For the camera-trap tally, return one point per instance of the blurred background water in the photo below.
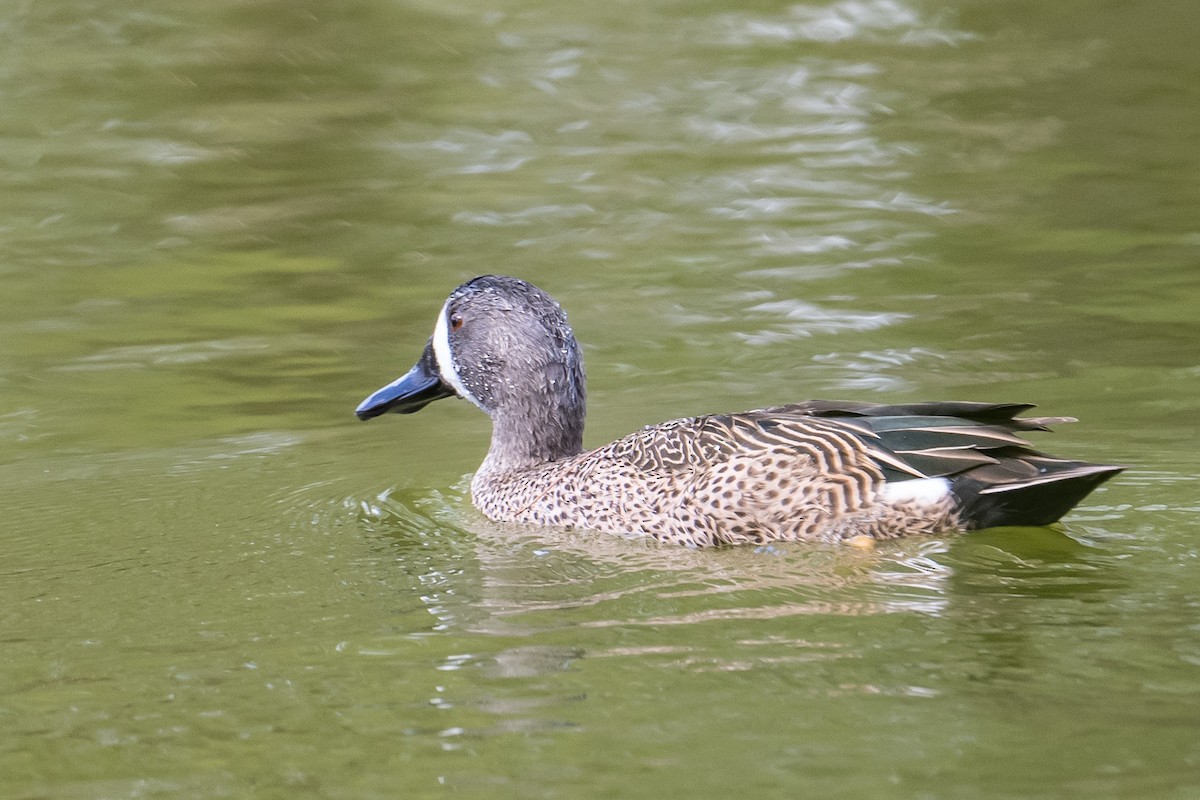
(222, 224)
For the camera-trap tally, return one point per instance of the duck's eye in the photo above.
(456, 321)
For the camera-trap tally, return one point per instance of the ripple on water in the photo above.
(144, 356)
(798, 318)
(871, 20)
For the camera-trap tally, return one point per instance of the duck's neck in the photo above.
(529, 433)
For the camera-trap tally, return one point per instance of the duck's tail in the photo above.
(1025, 489)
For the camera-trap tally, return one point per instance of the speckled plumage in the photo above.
(714, 480)
(816, 471)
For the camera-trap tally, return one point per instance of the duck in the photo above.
(815, 471)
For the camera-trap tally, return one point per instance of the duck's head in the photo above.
(503, 344)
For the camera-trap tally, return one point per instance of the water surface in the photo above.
(223, 224)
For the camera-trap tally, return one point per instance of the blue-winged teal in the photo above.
(816, 471)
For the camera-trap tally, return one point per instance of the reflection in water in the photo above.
(548, 585)
(530, 576)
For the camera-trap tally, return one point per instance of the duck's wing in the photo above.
(731, 478)
(810, 465)
(915, 440)
(997, 476)
(1003, 415)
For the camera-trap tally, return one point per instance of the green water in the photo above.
(222, 224)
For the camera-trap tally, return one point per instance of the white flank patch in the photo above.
(924, 491)
(441, 351)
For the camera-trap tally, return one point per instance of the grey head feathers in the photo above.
(508, 348)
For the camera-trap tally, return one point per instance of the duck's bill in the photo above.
(411, 392)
